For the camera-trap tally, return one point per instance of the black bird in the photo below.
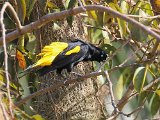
(61, 55)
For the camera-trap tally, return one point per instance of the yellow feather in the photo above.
(54, 48)
(45, 61)
(49, 53)
(74, 50)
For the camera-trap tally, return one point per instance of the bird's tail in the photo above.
(28, 70)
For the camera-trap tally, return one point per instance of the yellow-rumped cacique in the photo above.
(61, 55)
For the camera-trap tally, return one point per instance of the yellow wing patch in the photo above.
(49, 53)
(54, 48)
(45, 61)
(74, 50)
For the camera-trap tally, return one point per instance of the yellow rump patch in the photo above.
(49, 53)
(74, 50)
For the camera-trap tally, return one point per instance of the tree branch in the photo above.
(63, 14)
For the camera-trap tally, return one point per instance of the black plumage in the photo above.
(87, 52)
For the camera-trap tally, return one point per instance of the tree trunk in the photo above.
(75, 101)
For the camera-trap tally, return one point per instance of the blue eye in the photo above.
(101, 55)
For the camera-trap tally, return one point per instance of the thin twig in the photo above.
(10, 7)
(59, 15)
(102, 107)
(90, 26)
(155, 30)
(125, 97)
(138, 109)
(135, 110)
(111, 92)
(146, 17)
(80, 2)
(5, 53)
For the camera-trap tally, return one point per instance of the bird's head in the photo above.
(97, 54)
(102, 55)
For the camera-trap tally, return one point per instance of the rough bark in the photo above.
(77, 101)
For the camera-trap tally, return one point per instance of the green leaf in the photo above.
(158, 92)
(3, 80)
(107, 19)
(106, 37)
(72, 3)
(100, 18)
(141, 97)
(124, 6)
(30, 5)
(154, 104)
(2, 77)
(93, 15)
(121, 23)
(51, 5)
(136, 33)
(119, 87)
(144, 77)
(9, 24)
(147, 8)
(127, 76)
(115, 7)
(22, 10)
(136, 7)
(96, 35)
(137, 78)
(122, 27)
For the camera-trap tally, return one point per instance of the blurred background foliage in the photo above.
(131, 55)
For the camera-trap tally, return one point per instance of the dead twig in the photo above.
(111, 92)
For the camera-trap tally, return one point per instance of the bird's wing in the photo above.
(67, 58)
(49, 53)
(71, 56)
